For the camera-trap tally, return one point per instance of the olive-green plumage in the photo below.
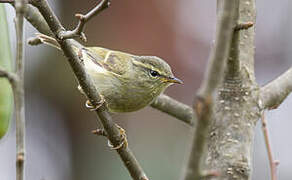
(127, 82)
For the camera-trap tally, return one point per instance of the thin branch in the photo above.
(214, 75)
(18, 91)
(89, 89)
(99, 132)
(275, 92)
(174, 108)
(273, 163)
(78, 31)
(35, 18)
(11, 77)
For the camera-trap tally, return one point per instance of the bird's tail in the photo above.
(48, 40)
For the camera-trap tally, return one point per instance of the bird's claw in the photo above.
(91, 107)
(124, 140)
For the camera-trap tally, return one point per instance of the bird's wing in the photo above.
(113, 61)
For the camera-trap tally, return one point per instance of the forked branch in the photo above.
(11, 77)
(78, 31)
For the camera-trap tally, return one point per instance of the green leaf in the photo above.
(6, 96)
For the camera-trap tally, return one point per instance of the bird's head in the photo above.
(154, 73)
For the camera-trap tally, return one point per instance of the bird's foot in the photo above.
(92, 107)
(124, 139)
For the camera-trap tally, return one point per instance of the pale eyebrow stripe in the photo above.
(137, 63)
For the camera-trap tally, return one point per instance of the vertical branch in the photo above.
(214, 75)
(236, 108)
(19, 91)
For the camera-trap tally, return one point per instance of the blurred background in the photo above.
(59, 143)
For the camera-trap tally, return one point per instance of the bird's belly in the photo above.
(118, 101)
(118, 97)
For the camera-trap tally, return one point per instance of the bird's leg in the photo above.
(124, 139)
(88, 104)
(91, 107)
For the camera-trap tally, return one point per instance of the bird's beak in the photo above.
(174, 80)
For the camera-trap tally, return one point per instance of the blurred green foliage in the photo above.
(6, 96)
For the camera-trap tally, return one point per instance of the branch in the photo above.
(243, 26)
(33, 16)
(275, 92)
(78, 31)
(18, 91)
(174, 108)
(11, 77)
(89, 89)
(205, 100)
(273, 163)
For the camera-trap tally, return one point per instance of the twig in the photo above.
(34, 41)
(273, 163)
(275, 92)
(99, 132)
(89, 89)
(33, 16)
(242, 26)
(18, 91)
(11, 77)
(204, 101)
(78, 31)
(174, 108)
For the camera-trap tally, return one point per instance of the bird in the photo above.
(125, 81)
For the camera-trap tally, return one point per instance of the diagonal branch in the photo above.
(275, 92)
(78, 31)
(33, 16)
(214, 75)
(89, 89)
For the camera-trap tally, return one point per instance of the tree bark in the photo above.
(231, 132)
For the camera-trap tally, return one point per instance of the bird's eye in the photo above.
(154, 73)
